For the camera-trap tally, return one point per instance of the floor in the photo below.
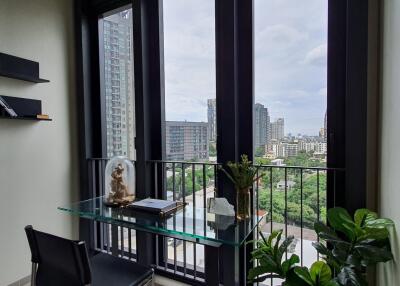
(160, 281)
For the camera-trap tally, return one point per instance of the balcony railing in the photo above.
(292, 197)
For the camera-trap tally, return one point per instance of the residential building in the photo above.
(281, 185)
(118, 84)
(261, 125)
(186, 140)
(278, 129)
(325, 127)
(321, 147)
(292, 149)
(212, 118)
(282, 149)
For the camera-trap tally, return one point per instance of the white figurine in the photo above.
(220, 206)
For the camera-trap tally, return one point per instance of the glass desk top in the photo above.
(191, 223)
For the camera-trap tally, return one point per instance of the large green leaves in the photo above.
(360, 242)
(320, 274)
(350, 277)
(269, 255)
(341, 221)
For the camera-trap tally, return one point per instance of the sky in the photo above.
(290, 60)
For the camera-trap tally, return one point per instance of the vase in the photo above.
(119, 181)
(243, 204)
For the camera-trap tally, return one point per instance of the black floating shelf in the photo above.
(26, 109)
(19, 68)
(24, 118)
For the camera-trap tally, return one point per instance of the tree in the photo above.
(260, 151)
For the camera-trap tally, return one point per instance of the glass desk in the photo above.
(190, 224)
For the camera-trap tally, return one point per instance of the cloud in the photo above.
(290, 60)
(317, 56)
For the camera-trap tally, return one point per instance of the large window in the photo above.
(118, 99)
(290, 115)
(189, 53)
(116, 58)
(190, 111)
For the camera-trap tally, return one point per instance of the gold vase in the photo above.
(243, 204)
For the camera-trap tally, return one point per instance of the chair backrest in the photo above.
(61, 262)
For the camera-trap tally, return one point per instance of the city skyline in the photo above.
(290, 61)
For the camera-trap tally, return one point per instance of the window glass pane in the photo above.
(190, 110)
(117, 83)
(189, 53)
(290, 115)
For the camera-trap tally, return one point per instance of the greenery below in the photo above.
(354, 245)
(313, 196)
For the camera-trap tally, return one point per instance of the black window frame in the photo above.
(349, 104)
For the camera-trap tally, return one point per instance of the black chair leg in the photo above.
(33, 274)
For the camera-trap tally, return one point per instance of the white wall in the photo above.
(390, 128)
(38, 160)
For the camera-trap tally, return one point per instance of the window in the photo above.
(190, 90)
(116, 55)
(290, 114)
(117, 84)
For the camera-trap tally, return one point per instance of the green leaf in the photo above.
(273, 235)
(320, 272)
(373, 254)
(290, 263)
(283, 247)
(373, 234)
(267, 261)
(292, 279)
(380, 223)
(276, 246)
(371, 216)
(304, 274)
(322, 249)
(340, 220)
(354, 260)
(331, 283)
(257, 271)
(349, 277)
(360, 215)
(320, 227)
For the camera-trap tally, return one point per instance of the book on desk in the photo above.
(155, 206)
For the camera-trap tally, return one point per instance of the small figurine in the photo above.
(119, 193)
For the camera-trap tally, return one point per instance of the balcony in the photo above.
(291, 209)
(326, 69)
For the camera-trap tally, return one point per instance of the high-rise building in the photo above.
(278, 129)
(261, 125)
(325, 127)
(212, 119)
(118, 84)
(187, 140)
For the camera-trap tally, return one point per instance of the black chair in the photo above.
(58, 261)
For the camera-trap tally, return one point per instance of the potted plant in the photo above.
(242, 175)
(355, 243)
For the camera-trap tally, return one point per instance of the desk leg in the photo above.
(211, 255)
(114, 240)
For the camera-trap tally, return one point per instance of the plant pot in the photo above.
(243, 204)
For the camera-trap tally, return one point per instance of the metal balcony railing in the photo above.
(293, 198)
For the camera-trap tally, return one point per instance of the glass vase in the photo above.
(243, 204)
(119, 181)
